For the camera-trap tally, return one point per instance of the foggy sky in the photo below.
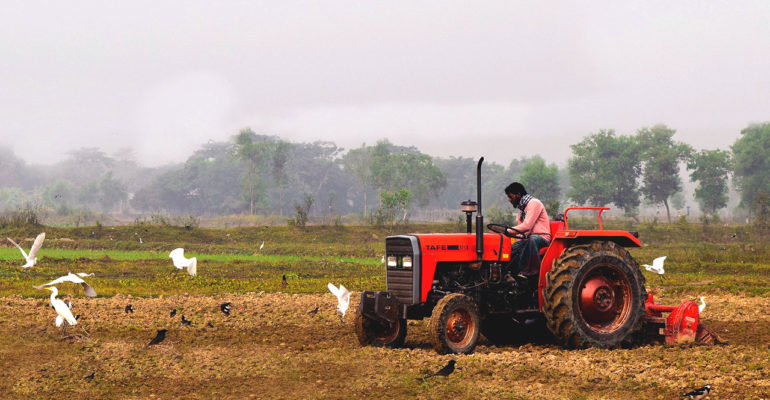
(498, 79)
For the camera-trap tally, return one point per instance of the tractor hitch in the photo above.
(681, 325)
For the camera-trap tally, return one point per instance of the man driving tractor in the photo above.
(534, 229)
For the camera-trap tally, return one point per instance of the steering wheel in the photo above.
(502, 229)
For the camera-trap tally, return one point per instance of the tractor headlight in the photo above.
(392, 262)
(406, 262)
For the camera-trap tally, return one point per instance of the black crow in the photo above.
(448, 369)
(159, 337)
(89, 377)
(313, 311)
(284, 282)
(699, 393)
(173, 312)
(186, 321)
(129, 309)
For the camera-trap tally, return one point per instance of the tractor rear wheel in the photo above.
(454, 324)
(594, 296)
(379, 333)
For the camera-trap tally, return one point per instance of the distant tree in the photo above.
(661, 157)
(262, 154)
(59, 195)
(710, 168)
(543, 182)
(207, 183)
(82, 165)
(604, 169)
(751, 162)
(393, 168)
(392, 203)
(15, 172)
(111, 192)
(358, 162)
(13, 198)
(460, 175)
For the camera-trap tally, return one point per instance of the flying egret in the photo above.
(343, 298)
(657, 266)
(191, 264)
(31, 258)
(702, 305)
(61, 309)
(74, 278)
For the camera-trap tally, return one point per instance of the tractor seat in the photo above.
(556, 226)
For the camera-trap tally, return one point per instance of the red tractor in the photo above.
(589, 292)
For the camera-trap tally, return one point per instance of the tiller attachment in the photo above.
(681, 325)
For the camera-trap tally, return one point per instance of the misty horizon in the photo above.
(502, 80)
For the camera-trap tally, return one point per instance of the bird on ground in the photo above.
(74, 278)
(180, 261)
(343, 298)
(30, 258)
(382, 260)
(172, 313)
(186, 321)
(129, 309)
(702, 305)
(699, 393)
(140, 241)
(225, 308)
(448, 369)
(284, 282)
(90, 377)
(262, 245)
(313, 311)
(63, 311)
(159, 337)
(657, 266)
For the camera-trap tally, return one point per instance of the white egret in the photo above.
(191, 264)
(702, 305)
(31, 258)
(61, 308)
(74, 278)
(343, 298)
(262, 245)
(657, 266)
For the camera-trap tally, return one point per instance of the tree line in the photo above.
(261, 174)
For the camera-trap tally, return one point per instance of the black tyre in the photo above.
(594, 296)
(454, 325)
(379, 333)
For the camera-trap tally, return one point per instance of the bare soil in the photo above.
(271, 347)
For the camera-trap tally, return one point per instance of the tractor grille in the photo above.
(403, 282)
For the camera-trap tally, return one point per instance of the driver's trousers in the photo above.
(525, 255)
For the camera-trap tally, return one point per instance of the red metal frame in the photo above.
(601, 210)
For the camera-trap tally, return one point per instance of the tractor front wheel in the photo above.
(594, 296)
(379, 333)
(454, 325)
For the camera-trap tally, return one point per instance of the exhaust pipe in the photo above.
(479, 215)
